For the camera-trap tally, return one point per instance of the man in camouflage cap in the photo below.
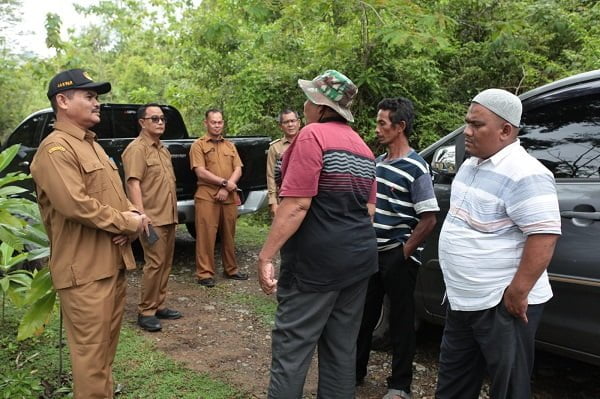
(330, 248)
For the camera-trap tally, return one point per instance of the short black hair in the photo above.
(214, 111)
(68, 93)
(141, 111)
(286, 111)
(401, 109)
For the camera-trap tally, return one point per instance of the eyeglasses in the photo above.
(156, 119)
(289, 121)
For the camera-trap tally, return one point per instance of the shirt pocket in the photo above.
(95, 178)
(210, 157)
(153, 167)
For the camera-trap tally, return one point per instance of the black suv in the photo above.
(561, 128)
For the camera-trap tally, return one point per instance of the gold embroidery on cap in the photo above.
(56, 148)
(65, 83)
(85, 75)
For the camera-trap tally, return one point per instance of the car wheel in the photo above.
(191, 228)
(381, 333)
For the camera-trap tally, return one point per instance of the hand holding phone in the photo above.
(152, 236)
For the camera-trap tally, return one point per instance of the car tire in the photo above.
(191, 228)
(381, 334)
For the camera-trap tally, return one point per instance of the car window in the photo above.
(121, 122)
(25, 133)
(565, 136)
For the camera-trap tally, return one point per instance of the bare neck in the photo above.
(398, 148)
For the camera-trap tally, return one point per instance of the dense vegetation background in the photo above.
(246, 55)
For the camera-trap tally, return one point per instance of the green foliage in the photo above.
(20, 384)
(246, 56)
(23, 239)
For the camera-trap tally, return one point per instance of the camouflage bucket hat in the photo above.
(332, 89)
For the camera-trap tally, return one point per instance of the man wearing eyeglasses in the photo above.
(218, 167)
(151, 188)
(289, 123)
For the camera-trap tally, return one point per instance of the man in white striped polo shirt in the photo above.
(404, 218)
(494, 248)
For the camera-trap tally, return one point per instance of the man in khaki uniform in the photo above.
(151, 188)
(217, 165)
(90, 224)
(289, 123)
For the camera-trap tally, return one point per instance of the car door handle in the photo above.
(24, 164)
(580, 215)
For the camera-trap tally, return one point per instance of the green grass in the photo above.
(252, 230)
(144, 371)
(261, 305)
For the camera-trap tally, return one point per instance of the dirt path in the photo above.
(223, 338)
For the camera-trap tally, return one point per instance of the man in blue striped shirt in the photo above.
(404, 217)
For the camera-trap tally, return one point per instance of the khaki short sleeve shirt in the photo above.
(220, 157)
(276, 150)
(150, 163)
(81, 200)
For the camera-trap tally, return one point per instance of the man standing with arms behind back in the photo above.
(151, 187)
(404, 218)
(494, 248)
(218, 167)
(289, 123)
(90, 224)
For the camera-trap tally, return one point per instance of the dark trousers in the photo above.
(396, 278)
(305, 320)
(489, 340)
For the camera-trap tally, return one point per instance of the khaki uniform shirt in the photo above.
(276, 150)
(218, 157)
(81, 200)
(150, 163)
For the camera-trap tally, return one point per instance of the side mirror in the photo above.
(444, 160)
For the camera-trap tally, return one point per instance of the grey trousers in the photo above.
(489, 340)
(305, 320)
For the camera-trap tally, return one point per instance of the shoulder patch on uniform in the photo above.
(56, 148)
(275, 141)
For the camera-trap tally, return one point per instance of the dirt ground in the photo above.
(226, 340)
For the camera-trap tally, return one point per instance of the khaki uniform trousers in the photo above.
(92, 315)
(158, 260)
(212, 218)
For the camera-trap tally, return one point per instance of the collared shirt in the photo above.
(150, 163)
(81, 200)
(276, 150)
(218, 156)
(494, 205)
(335, 245)
(404, 192)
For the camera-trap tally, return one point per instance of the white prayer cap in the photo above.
(503, 103)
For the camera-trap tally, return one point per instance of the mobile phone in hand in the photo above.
(152, 236)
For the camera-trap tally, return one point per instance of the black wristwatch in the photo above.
(224, 183)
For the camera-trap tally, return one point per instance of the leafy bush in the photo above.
(23, 240)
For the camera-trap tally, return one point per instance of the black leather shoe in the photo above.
(238, 276)
(167, 313)
(207, 282)
(149, 323)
